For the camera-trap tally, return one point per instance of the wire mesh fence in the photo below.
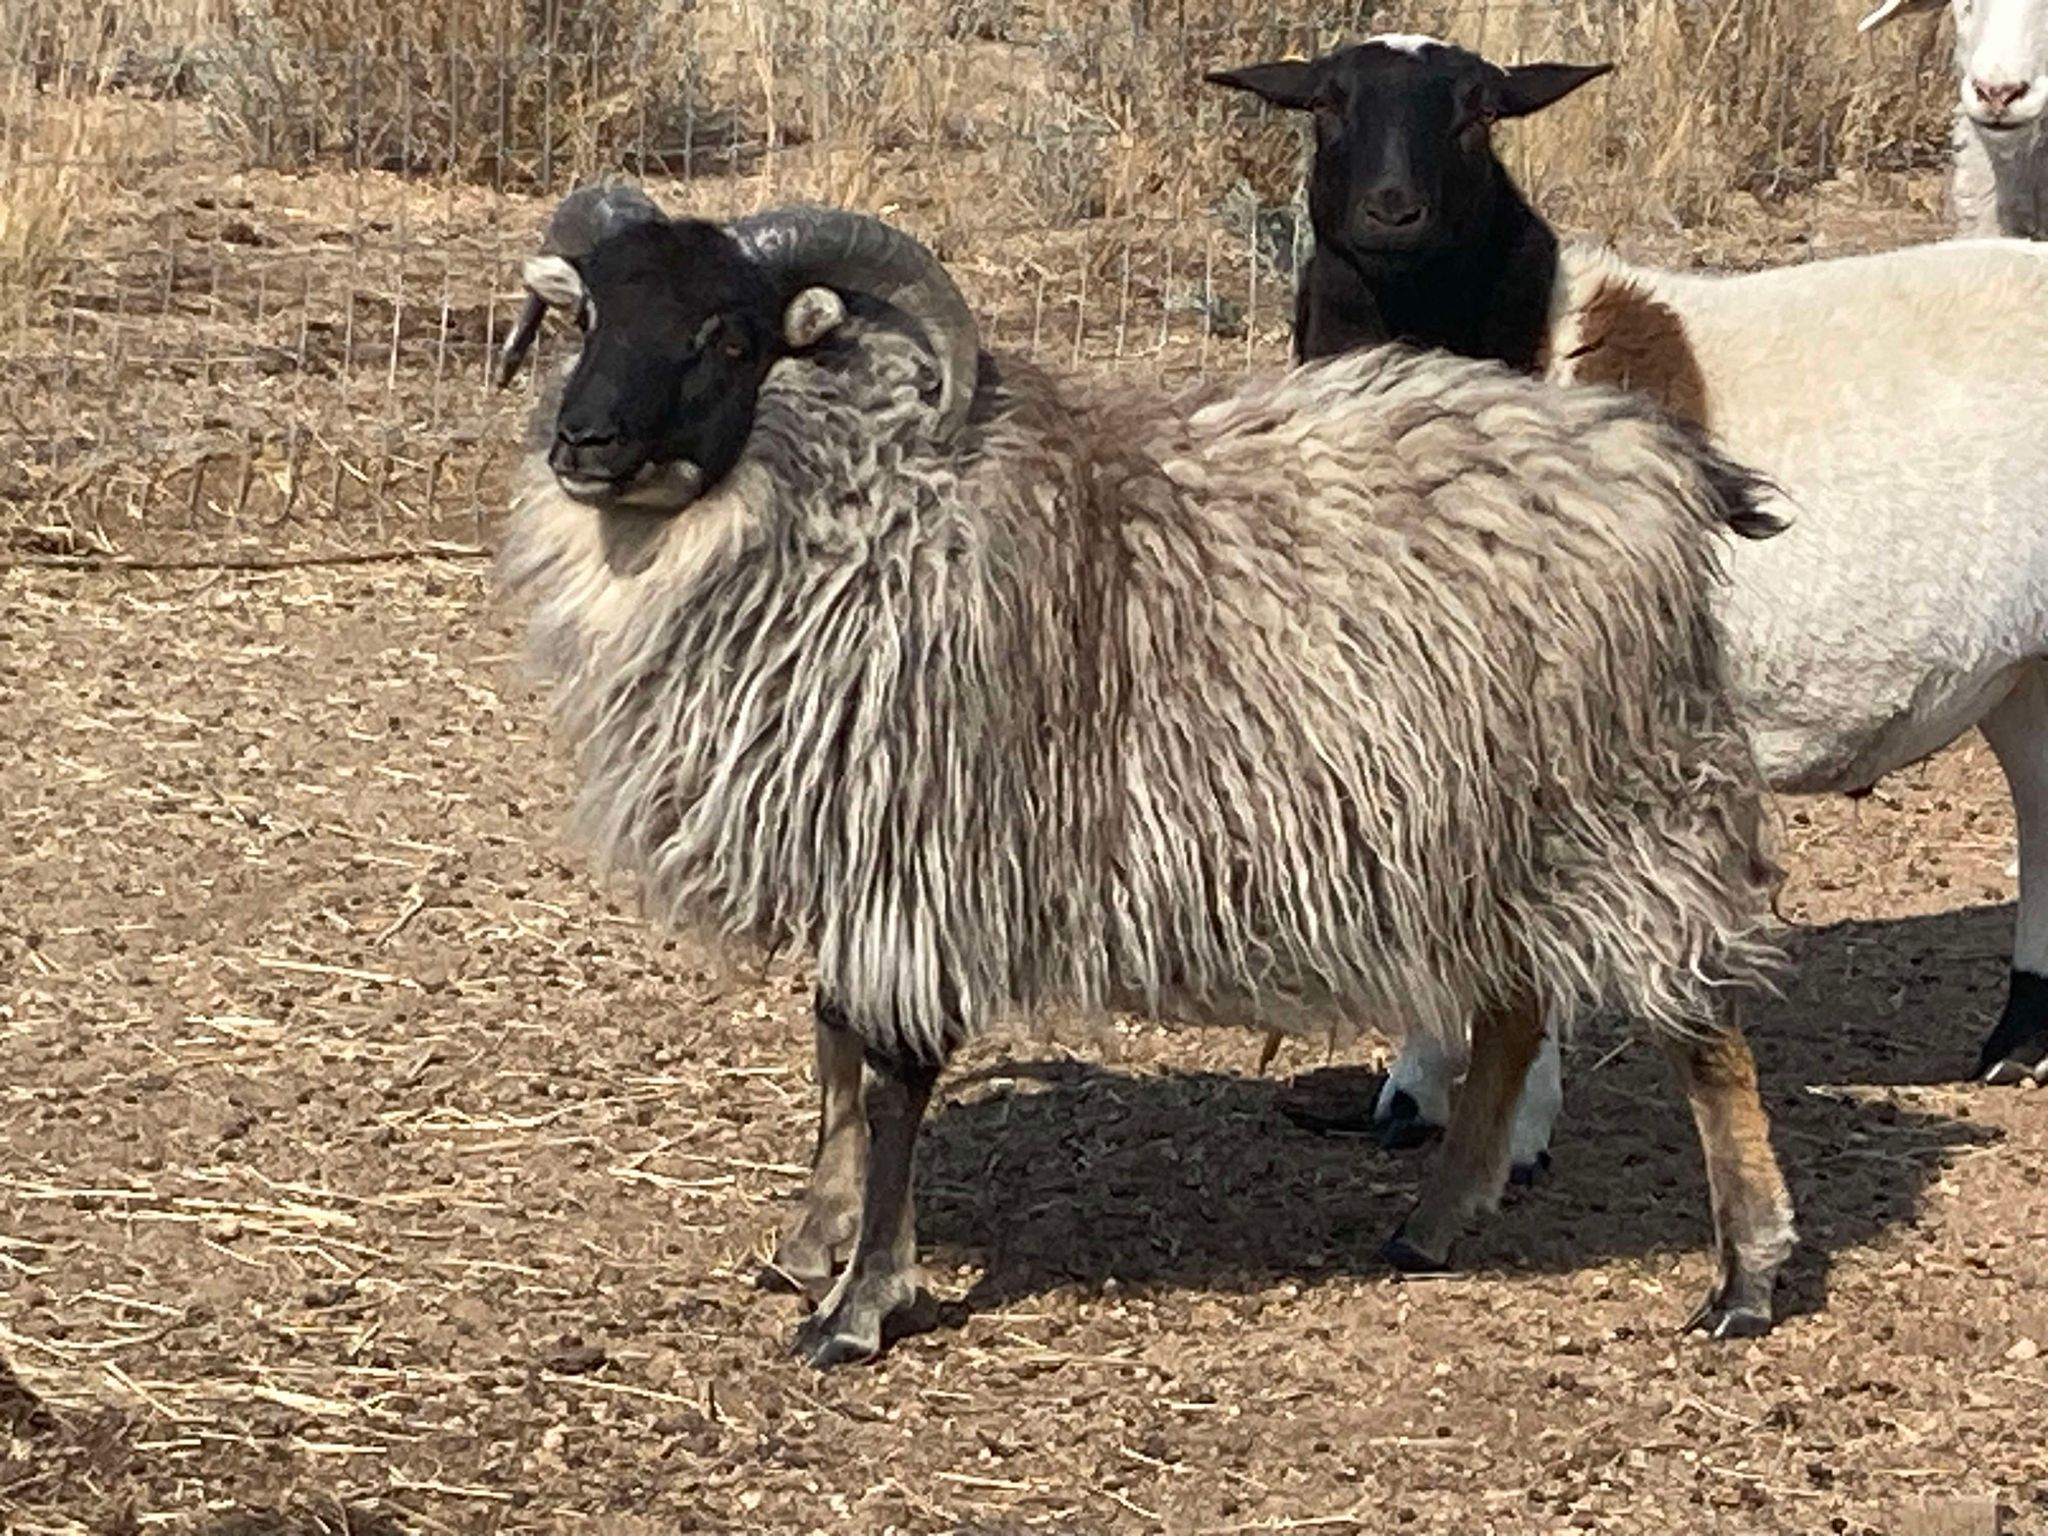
(255, 255)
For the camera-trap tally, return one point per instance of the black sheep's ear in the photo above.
(1289, 83)
(1525, 88)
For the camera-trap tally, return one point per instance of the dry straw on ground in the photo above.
(356, 1151)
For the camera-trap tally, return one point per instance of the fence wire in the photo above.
(255, 259)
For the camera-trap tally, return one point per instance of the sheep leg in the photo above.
(1536, 1110)
(1415, 1103)
(2017, 1049)
(1753, 1227)
(821, 1237)
(882, 1277)
(1473, 1167)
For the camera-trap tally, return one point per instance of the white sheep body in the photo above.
(1897, 400)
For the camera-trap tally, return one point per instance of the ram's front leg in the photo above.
(820, 1239)
(882, 1278)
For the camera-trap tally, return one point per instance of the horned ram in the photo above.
(1390, 681)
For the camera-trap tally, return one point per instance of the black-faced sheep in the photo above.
(1386, 685)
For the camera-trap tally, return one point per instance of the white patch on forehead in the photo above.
(1411, 43)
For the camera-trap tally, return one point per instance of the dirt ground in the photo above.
(365, 1166)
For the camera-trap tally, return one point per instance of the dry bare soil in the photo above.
(365, 1165)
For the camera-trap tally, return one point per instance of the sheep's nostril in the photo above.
(1999, 96)
(1395, 210)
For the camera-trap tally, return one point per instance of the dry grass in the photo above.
(1080, 110)
(283, 232)
(67, 138)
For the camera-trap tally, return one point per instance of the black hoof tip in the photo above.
(2016, 1050)
(1526, 1174)
(776, 1281)
(1411, 1260)
(2011, 1072)
(818, 1346)
(1402, 1128)
(1722, 1322)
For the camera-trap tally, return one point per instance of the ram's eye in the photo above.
(733, 347)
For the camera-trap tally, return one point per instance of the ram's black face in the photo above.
(679, 329)
(1404, 159)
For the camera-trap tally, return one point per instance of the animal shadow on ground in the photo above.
(1061, 1172)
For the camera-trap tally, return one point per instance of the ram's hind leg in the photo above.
(1472, 1168)
(881, 1279)
(1753, 1228)
(2017, 1049)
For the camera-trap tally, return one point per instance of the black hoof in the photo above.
(2017, 1050)
(2008, 1073)
(1402, 1128)
(778, 1282)
(1724, 1322)
(819, 1345)
(1411, 1260)
(1526, 1174)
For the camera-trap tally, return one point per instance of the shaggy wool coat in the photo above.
(1387, 686)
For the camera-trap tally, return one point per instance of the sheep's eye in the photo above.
(733, 348)
(1474, 112)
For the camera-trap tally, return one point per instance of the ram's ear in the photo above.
(1892, 10)
(812, 315)
(555, 280)
(1289, 83)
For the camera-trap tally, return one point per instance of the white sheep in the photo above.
(1998, 183)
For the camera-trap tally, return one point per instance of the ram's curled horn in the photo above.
(852, 252)
(582, 219)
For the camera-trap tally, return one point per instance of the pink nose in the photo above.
(1998, 97)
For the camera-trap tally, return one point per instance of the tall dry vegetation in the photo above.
(959, 114)
(68, 69)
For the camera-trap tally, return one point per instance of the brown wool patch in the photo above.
(1632, 341)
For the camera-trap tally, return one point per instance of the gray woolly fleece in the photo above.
(1383, 687)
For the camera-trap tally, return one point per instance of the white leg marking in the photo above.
(1537, 1109)
(1424, 1070)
